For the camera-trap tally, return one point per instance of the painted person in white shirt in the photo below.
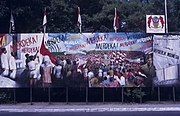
(12, 66)
(57, 73)
(121, 79)
(32, 71)
(100, 73)
(85, 72)
(46, 70)
(90, 76)
(4, 63)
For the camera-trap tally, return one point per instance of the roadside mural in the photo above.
(83, 59)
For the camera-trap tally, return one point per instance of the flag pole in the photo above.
(116, 22)
(80, 29)
(10, 24)
(115, 30)
(44, 21)
(11, 27)
(79, 22)
(165, 5)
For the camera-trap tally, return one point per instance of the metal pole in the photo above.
(80, 29)
(122, 95)
(86, 95)
(141, 95)
(49, 94)
(103, 95)
(165, 5)
(14, 93)
(31, 95)
(115, 30)
(174, 94)
(159, 96)
(67, 96)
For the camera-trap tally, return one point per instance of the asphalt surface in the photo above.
(92, 114)
(114, 107)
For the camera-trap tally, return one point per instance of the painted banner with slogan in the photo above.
(167, 58)
(75, 43)
(27, 44)
(86, 59)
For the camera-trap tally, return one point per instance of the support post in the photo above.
(159, 95)
(31, 95)
(67, 95)
(86, 95)
(49, 94)
(174, 94)
(122, 95)
(14, 96)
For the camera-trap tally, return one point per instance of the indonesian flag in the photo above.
(79, 23)
(116, 22)
(141, 73)
(12, 26)
(45, 52)
(44, 20)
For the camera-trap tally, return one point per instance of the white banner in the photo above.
(27, 44)
(166, 57)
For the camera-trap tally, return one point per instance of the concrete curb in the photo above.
(90, 109)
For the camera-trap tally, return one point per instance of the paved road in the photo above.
(44, 107)
(92, 114)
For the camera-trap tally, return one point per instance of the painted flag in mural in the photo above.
(116, 22)
(45, 52)
(79, 23)
(44, 20)
(12, 26)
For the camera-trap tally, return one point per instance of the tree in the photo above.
(97, 15)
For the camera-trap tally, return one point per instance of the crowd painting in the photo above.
(78, 59)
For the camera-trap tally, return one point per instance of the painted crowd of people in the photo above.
(8, 64)
(92, 70)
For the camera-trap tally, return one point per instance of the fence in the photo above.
(89, 95)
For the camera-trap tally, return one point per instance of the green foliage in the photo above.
(5, 97)
(97, 15)
(134, 93)
(138, 93)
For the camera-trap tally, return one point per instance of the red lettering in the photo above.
(25, 42)
(30, 50)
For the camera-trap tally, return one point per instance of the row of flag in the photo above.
(79, 22)
(115, 24)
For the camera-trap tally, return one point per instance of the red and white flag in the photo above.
(79, 23)
(45, 52)
(43, 49)
(116, 22)
(44, 20)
